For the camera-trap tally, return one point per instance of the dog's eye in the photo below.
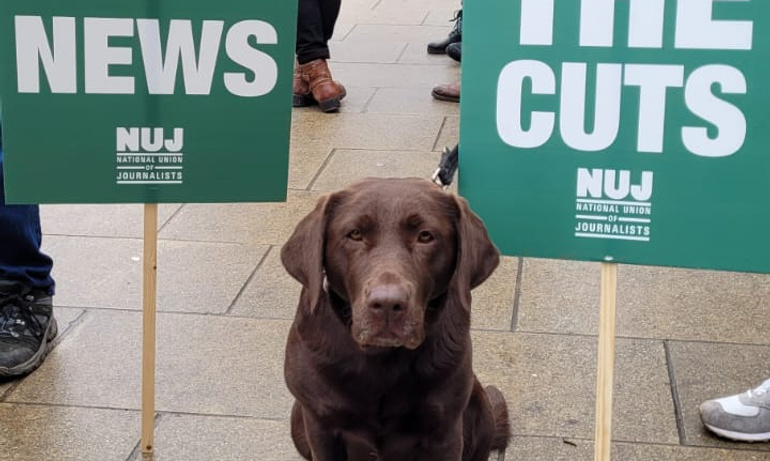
(425, 237)
(356, 235)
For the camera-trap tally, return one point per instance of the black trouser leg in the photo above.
(315, 26)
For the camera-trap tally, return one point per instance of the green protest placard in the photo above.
(630, 131)
(146, 101)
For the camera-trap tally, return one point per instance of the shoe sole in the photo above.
(443, 97)
(303, 100)
(437, 50)
(739, 436)
(30, 365)
(333, 104)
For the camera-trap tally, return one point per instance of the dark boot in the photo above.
(455, 36)
(455, 51)
(301, 91)
(325, 91)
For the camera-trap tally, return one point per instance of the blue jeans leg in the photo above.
(20, 237)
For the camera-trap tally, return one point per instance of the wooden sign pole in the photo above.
(149, 297)
(606, 362)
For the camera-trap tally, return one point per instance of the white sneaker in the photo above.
(743, 417)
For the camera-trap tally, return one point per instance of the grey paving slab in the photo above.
(100, 220)
(271, 293)
(247, 223)
(208, 365)
(386, 32)
(652, 302)
(400, 75)
(442, 16)
(365, 131)
(493, 300)
(352, 11)
(409, 101)
(706, 371)
(192, 276)
(346, 166)
(428, 4)
(207, 438)
(393, 13)
(34, 433)
(550, 382)
(369, 52)
(96, 272)
(416, 53)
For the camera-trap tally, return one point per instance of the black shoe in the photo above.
(27, 327)
(455, 51)
(454, 36)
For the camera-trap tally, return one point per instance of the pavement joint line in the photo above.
(185, 313)
(743, 447)
(69, 405)
(628, 337)
(321, 169)
(365, 108)
(158, 413)
(406, 46)
(173, 215)
(140, 239)
(136, 454)
(248, 280)
(438, 135)
(425, 19)
(679, 417)
(63, 334)
(345, 37)
(517, 294)
(214, 415)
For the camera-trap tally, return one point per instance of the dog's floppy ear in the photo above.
(477, 256)
(302, 254)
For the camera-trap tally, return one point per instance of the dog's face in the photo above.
(390, 249)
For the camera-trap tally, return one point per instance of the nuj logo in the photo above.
(148, 155)
(614, 185)
(136, 139)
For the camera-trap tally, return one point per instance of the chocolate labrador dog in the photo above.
(379, 355)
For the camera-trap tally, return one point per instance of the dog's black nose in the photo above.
(388, 298)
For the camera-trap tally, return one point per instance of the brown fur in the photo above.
(379, 355)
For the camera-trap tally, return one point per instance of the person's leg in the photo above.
(27, 325)
(330, 11)
(311, 34)
(20, 237)
(313, 81)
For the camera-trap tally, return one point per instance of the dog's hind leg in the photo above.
(298, 434)
(502, 434)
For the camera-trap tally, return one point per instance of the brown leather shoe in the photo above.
(327, 92)
(301, 91)
(449, 92)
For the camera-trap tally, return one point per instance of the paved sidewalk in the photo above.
(226, 303)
